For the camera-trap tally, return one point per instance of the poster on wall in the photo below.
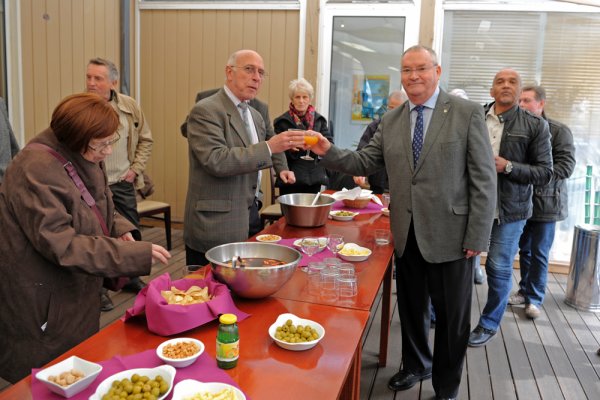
(369, 97)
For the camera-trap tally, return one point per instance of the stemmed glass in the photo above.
(309, 140)
(310, 246)
(334, 243)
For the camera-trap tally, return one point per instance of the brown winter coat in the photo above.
(53, 256)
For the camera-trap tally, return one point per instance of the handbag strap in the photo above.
(85, 194)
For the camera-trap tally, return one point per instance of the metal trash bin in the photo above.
(583, 285)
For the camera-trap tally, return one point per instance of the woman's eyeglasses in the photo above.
(104, 145)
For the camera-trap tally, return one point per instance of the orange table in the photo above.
(265, 371)
(371, 274)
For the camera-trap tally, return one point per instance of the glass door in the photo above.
(362, 47)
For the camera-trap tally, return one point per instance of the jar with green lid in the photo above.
(228, 341)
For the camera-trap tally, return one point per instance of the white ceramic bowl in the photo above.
(296, 321)
(354, 252)
(89, 369)
(190, 387)
(339, 215)
(322, 243)
(268, 238)
(180, 362)
(385, 211)
(166, 371)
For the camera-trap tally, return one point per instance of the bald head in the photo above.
(244, 72)
(506, 89)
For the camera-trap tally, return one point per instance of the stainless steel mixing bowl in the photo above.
(253, 282)
(298, 211)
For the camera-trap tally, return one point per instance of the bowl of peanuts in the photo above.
(180, 352)
(70, 376)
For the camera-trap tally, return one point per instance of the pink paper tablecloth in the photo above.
(320, 256)
(372, 207)
(204, 369)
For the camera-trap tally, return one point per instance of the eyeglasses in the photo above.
(252, 70)
(418, 70)
(104, 145)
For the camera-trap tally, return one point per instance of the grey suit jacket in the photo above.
(451, 194)
(223, 172)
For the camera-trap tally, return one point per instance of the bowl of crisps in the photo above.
(180, 352)
(70, 376)
(163, 375)
(260, 269)
(354, 252)
(193, 295)
(191, 389)
(291, 332)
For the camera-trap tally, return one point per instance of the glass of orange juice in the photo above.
(310, 141)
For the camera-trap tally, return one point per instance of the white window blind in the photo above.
(558, 50)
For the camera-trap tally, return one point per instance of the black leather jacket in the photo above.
(526, 143)
(551, 202)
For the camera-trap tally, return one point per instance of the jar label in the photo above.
(228, 351)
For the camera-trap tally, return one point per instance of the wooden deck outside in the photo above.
(553, 357)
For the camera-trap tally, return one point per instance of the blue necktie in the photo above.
(417, 144)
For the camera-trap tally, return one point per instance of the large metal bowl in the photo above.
(253, 282)
(298, 211)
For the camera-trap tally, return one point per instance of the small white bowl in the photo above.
(322, 243)
(338, 215)
(349, 247)
(180, 362)
(166, 371)
(296, 321)
(385, 211)
(268, 238)
(89, 369)
(190, 387)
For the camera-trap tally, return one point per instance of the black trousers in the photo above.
(126, 204)
(194, 257)
(449, 285)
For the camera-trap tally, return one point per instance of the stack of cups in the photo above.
(314, 277)
(346, 282)
(329, 288)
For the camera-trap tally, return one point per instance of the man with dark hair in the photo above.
(521, 143)
(550, 204)
(127, 162)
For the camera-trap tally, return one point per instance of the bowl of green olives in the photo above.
(294, 333)
(151, 383)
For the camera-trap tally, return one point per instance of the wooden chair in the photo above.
(150, 209)
(272, 212)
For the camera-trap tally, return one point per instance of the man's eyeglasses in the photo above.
(418, 70)
(252, 70)
(104, 145)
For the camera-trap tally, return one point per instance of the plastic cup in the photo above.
(329, 289)
(346, 269)
(347, 287)
(382, 237)
(385, 199)
(313, 270)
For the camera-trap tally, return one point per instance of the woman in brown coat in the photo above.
(54, 248)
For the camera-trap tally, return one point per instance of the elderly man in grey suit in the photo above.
(228, 146)
(439, 161)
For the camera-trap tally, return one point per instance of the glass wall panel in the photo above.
(556, 50)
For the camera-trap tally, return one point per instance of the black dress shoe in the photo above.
(480, 336)
(134, 285)
(404, 380)
(444, 398)
(106, 303)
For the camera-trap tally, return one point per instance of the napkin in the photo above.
(169, 319)
(355, 193)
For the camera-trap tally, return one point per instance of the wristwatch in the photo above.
(508, 168)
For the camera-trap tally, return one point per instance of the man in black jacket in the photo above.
(550, 204)
(521, 144)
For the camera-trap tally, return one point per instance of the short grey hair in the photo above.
(539, 92)
(419, 47)
(399, 95)
(301, 85)
(113, 72)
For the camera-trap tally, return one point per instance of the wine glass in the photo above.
(335, 243)
(310, 246)
(310, 141)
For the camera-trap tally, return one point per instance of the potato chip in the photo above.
(194, 295)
